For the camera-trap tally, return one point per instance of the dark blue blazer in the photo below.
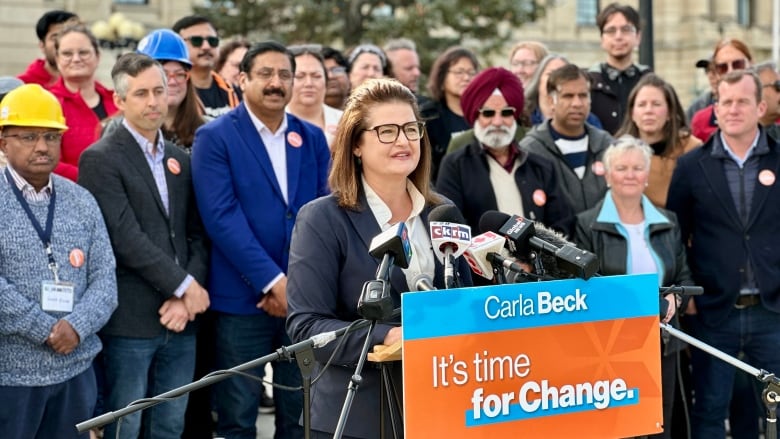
(329, 262)
(721, 245)
(242, 206)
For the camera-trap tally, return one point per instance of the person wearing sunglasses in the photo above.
(380, 177)
(217, 96)
(491, 171)
(612, 80)
(729, 55)
(770, 94)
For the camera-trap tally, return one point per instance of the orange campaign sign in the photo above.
(568, 358)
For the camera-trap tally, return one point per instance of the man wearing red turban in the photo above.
(489, 171)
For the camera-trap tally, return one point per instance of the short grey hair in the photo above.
(624, 144)
(132, 64)
(766, 65)
(399, 44)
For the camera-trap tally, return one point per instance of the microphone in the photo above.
(522, 240)
(683, 290)
(393, 242)
(484, 257)
(393, 248)
(449, 237)
(422, 282)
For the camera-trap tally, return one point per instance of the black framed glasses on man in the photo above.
(197, 40)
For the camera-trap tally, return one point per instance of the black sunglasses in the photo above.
(198, 40)
(775, 84)
(737, 64)
(490, 113)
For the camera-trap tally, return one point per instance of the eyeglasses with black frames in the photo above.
(197, 40)
(389, 132)
(490, 113)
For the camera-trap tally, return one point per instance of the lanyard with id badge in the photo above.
(56, 295)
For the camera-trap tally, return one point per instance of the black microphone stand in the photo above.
(771, 393)
(303, 352)
(375, 304)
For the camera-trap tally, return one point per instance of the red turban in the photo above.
(484, 84)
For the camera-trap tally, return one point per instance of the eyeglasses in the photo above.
(52, 138)
(490, 113)
(524, 63)
(388, 133)
(197, 40)
(268, 73)
(180, 76)
(337, 71)
(628, 29)
(461, 73)
(83, 54)
(737, 64)
(775, 84)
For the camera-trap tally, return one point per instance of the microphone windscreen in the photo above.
(492, 221)
(446, 213)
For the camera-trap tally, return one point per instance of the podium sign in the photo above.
(567, 358)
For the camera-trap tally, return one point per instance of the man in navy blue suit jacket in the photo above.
(253, 168)
(727, 199)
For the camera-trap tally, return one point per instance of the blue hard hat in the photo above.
(165, 45)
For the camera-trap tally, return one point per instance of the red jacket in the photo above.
(83, 125)
(36, 73)
(702, 123)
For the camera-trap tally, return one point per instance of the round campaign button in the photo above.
(539, 197)
(766, 177)
(174, 166)
(598, 168)
(294, 139)
(76, 257)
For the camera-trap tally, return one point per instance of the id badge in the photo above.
(57, 296)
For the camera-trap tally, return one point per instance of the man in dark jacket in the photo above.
(491, 172)
(727, 200)
(573, 146)
(612, 80)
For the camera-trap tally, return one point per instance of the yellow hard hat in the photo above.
(30, 105)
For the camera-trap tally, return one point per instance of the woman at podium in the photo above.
(379, 177)
(632, 236)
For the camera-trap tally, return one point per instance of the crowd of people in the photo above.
(218, 200)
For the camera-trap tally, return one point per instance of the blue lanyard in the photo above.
(43, 234)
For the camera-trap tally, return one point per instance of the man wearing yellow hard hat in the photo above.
(57, 276)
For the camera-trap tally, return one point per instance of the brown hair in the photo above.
(735, 43)
(737, 75)
(345, 173)
(442, 66)
(226, 49)
(675, 129)
(631, 15)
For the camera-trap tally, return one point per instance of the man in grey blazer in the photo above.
(144, 188)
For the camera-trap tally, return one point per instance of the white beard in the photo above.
(495, 137)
